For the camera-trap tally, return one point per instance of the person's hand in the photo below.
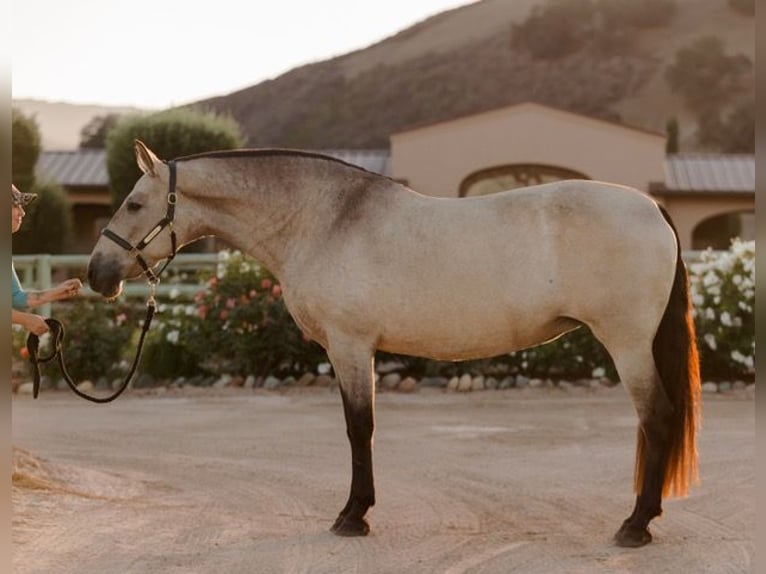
(35, 324)
(67, 289)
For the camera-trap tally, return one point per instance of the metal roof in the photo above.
(87, 167)
(75, 168)
(374, 160)
(710, 172)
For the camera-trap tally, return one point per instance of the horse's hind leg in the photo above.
(353, 367)
(656, 414)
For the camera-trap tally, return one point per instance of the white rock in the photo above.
(477, 384)
(465, 383)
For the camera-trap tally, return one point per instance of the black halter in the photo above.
(166, 221)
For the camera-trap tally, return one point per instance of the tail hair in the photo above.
(677, 361)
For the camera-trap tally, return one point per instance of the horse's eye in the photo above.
(133, 206)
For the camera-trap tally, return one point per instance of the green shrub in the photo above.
(237, 324)
(47, 226)
(25, 149)
(723, 289)
(170, 134)
(99, 340)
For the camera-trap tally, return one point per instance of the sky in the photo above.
(155, 54)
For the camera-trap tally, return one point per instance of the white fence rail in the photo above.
(182, 275)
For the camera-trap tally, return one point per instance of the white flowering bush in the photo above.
(723, 292)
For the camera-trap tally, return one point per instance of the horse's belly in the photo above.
(463, 338)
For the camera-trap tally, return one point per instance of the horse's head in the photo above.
(139, 233)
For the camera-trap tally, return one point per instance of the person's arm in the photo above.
(65, 290)
(32, 323)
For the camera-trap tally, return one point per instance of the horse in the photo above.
(366, 263)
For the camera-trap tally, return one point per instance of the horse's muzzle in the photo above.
(104, 276)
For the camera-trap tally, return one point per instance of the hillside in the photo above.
(456, 63)
(462, 62)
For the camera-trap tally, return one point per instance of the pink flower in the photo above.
(202, 311)
(120, 319)
(253, 293)
(276, 291)
(231, 302)
(266, 283)
(223, 315)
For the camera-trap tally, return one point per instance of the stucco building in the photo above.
(711, 197)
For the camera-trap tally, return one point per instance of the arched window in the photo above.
(718, 231)
(506, 177)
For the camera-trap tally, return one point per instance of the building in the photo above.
(711, 197)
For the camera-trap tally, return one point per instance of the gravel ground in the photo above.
(236, 481)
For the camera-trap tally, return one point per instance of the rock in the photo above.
(565, 385)
(388, 367)
(307, 379)
(196, 381)
(85, 386)
(237, 381)
(288, 382)
(724, 387)
(465, 383)
(249, 382)
(390, 381)
(709, 387)
(535, 383)
(522, 381)
(271, 383)
(324, 381)
(222, 382)
(25, 389)
(491, 383)
(453, 384)
(507, 383)
(739, 385)
(407, 385)
(477, 384)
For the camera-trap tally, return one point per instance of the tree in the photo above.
(734, 134)
(25, 149)
(172, 133)
(47, 226)
(555, 29)
(706, 77)
(93, 134)
(621, 14)
(746, 7)
(671, 145)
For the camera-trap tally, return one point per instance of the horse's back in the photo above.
(477, 276)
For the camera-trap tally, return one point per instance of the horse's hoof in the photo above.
(348, 526)
(632, 537)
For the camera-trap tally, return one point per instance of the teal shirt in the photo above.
(18, 295)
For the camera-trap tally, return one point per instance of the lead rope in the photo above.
(57, 330)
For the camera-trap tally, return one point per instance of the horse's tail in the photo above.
(677, 362)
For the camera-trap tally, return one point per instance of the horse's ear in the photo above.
(145, 158)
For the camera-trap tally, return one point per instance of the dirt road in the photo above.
(523, 481)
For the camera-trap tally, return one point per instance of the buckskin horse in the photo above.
(366, 263)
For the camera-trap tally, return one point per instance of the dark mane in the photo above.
(271, 152)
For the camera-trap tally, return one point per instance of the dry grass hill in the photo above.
(463, 61)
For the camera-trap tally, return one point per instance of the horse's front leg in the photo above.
(353, 363)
